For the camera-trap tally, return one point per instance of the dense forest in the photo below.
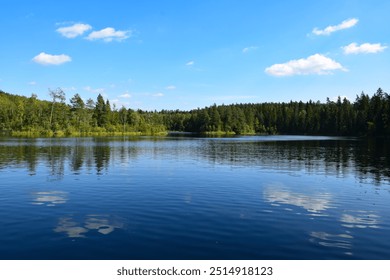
(28, 116)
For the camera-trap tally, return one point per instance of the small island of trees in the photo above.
(29, 116)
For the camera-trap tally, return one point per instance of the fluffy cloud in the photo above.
(109, 34)
(248, 49)
(315, 64)
(333, 28)
(190, 63)
(74, 30)
(119, 104)
(363, 48)
(95, 90)
(69, 88)
(172, 87)
(125, 95)
(49, 59)
(159, 94)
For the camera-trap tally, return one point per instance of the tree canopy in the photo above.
(366, 116)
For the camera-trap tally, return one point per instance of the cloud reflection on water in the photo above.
(104, 224)
(342, 241)
(277, 195)
(49, 198)
(70, 227)
(361, 219)
(314, 204)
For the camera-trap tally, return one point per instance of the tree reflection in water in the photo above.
(368, 160)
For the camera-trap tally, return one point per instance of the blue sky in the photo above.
(186, 54)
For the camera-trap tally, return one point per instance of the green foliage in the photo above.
(24, 116)
(30, 117)
(366, 116)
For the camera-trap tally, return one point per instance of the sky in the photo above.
(188, 54)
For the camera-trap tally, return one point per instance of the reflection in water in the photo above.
(362, 219)
(134, 173)
(104, 224)
(102, 156)
(342, 241)
(368, 160)
(313, 204)
(70, 227)
(274, 194)
(49, 198)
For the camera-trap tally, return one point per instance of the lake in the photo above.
(249, 197)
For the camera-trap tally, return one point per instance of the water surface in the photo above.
(258, 197)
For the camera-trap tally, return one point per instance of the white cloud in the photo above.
(125, 95)
(32, 83)
(190, 63)
(109, 34)
(172, 87)
(49, 59)
(333, 28)
(69, 88)
(95, 90)
(119, 104)
(159, 94)
(74, 30)
(248, 49)
(363, 48)
(315, 64)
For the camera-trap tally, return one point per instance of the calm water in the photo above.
(260, 197)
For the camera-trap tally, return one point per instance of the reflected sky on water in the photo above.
(258, 197)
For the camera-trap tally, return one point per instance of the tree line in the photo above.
(24, 116)
(366, 116)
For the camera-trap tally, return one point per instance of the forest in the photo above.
(29, 116)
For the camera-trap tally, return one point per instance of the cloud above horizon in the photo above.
(125, 95)
(109, 34)
(171, 87)
(50, 59)
(249, 49)
(315, 64)
(95, 90)
(353, 48)
(74, 30)
(333, 28)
